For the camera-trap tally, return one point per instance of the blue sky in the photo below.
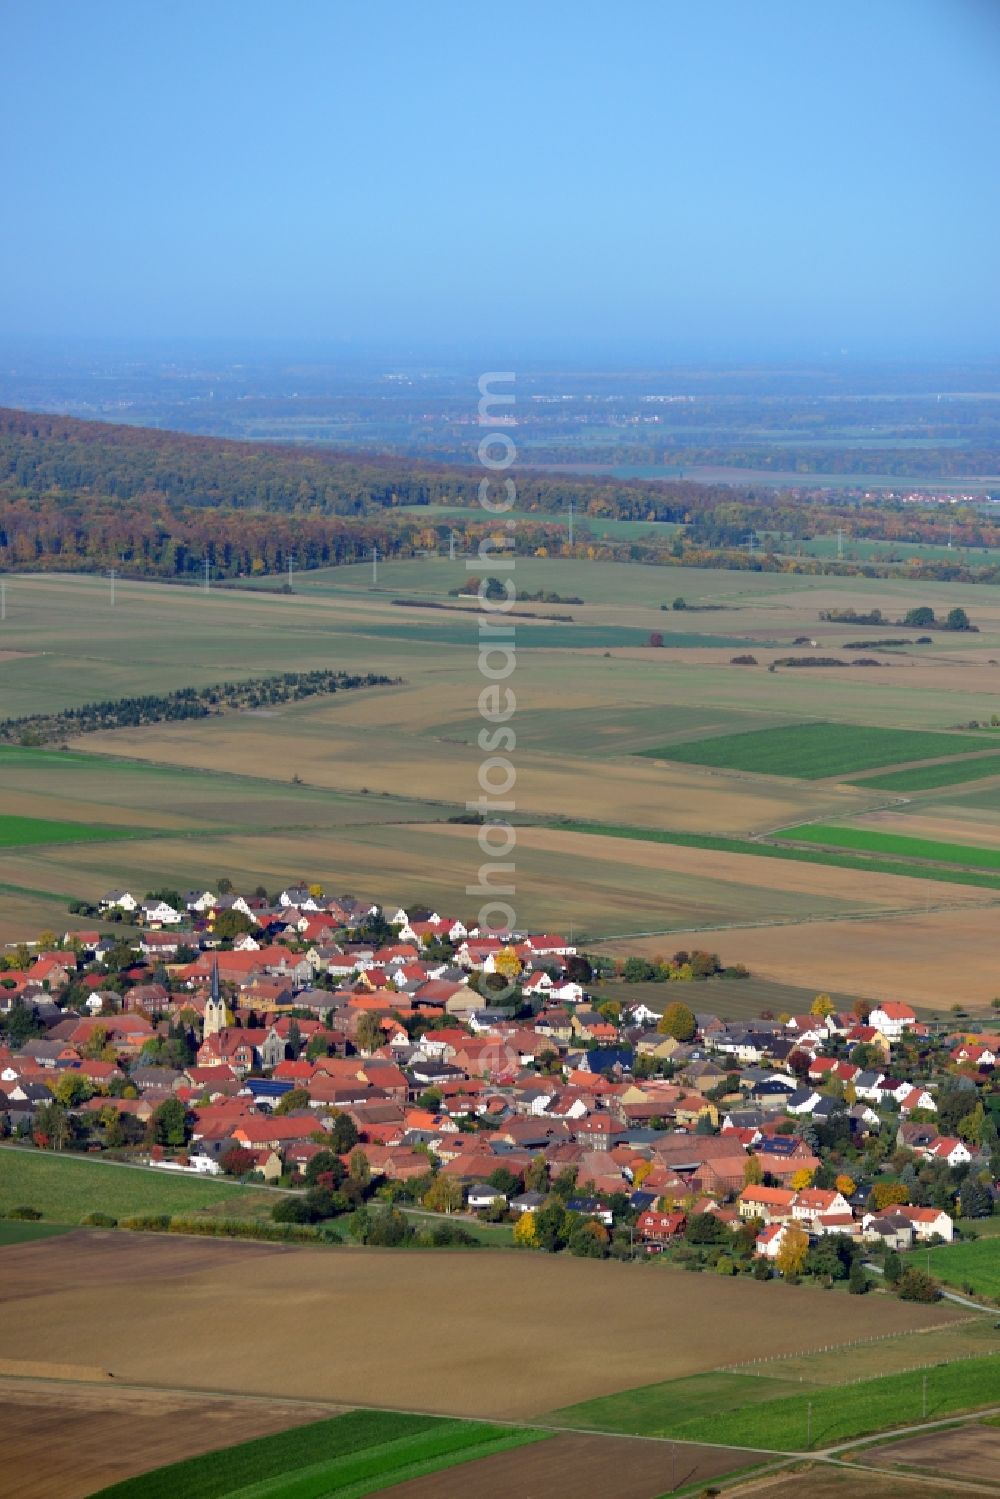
(725, 178)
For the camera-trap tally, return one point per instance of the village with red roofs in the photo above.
(404, 1072)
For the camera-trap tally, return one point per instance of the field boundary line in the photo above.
(823, 1454)
(844, 1384)
(880, 1337)
(340, 1406)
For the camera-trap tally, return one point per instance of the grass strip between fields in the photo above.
(346, 1457)
(781, 851)
(928, 777)
(34, 832)
(872, 840)
(746, 1410)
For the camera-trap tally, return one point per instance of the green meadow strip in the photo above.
(796, 1420)
(215, 1475)
(929, 777)
(873, 864)
(34, 832)
(871, 840)
(347, 1457)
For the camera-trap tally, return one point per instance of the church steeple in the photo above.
(216, 1018)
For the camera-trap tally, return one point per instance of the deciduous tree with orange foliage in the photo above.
(791, 1257)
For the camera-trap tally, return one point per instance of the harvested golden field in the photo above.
(878, 890)
(953, 673)
(64, 1441)
(933, 958)
(324, 749)
(74, 808)
(511, 1333)
(24, 914)
(639, 888)
(253, 795)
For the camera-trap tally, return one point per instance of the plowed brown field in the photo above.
(470, 1333)
(971, 1452)
(579, 1467)
(934, 958)
(64, 1442)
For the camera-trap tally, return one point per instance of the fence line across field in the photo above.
(840, 1384)
(881, 1337)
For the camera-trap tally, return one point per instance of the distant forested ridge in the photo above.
(81, 496)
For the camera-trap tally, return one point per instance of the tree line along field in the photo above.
(815, 751)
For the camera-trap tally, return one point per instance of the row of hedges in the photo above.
(229, 1228)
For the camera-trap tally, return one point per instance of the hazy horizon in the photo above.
(643, 184)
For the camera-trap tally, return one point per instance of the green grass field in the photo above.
(532, 636)
(813, 751)
(747, 1410)
(778, 851)
(870, 840)
(12, 1231)
(927, 777)
(64, 1188)
(29, 832)
(362, 1452)
(976, 1263)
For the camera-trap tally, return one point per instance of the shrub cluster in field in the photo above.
(185, 703)
(228, 1228)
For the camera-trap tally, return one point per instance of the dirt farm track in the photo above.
(513, 1336)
